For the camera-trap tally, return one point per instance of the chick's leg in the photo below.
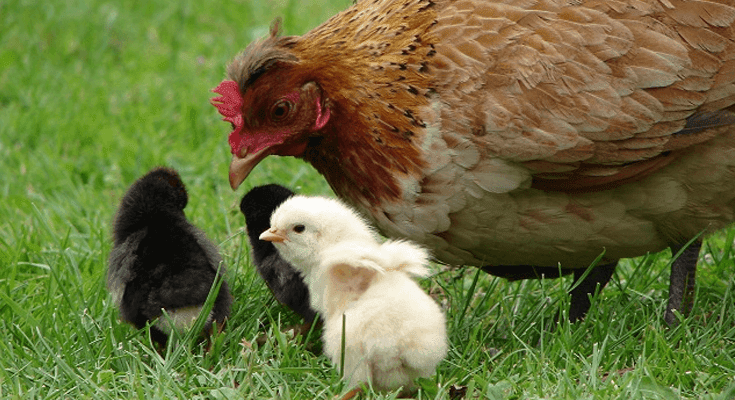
(580, 302)
(356, 372)
(681, 283)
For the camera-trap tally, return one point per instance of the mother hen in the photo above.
(508, 134)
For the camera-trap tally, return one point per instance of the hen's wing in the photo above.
(585, 96)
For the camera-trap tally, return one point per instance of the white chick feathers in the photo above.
(394, 332)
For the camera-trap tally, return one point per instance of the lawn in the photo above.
(93, 94)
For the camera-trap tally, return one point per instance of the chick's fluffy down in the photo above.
(394, 334)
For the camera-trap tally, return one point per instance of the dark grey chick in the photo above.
(282, 279)
(160, 261)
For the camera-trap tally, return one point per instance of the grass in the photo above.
(93, 94)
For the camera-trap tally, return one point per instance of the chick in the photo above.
(282, 279)
(394, 332)
(160, 261)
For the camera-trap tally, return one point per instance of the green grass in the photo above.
(93, 94)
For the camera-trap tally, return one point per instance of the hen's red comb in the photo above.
(230, 106)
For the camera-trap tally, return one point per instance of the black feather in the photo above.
(159, 260)
(699, 122)
(282, 279)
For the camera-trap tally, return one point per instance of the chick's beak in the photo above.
(273, 235)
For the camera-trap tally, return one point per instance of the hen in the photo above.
(393, 332)
(508, 135)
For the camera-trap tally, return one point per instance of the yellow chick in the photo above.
(394, 332)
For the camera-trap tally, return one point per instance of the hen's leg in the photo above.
(681, 284)
(580, 302)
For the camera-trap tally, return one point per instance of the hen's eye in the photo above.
(280, 110)
(299, 228)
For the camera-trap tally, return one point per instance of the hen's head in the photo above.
(272, 107)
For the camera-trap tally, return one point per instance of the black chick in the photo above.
(161, 261)
(282, 279)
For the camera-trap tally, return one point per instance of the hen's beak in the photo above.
(273, 235)
(240, 167)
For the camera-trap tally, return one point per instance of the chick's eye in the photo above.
(281, 109)
(299, 228)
